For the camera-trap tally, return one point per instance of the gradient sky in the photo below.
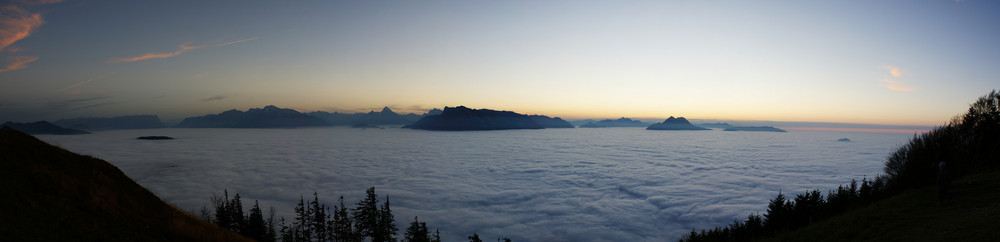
(881, 62)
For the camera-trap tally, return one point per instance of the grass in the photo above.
(51, 194)
(972, 214)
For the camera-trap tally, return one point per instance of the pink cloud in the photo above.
(17, 24)
(18, 62)
(896, 86)
(183, 48)
(894, 71)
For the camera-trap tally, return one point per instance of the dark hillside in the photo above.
(915, 215)
(904, 203)
(50, 194)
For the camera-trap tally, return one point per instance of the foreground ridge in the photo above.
(62, 196)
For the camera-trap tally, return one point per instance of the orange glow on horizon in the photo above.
(893, 131)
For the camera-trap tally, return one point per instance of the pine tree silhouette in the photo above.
(417, 232)
(474, 238)
(366, 214)
(386, 223)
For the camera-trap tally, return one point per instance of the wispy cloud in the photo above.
(215, 98)
(16, 24)
(235, 42)
(84, 82)
(896, 86)
(894, 71)
(181, 49)
(18, 62)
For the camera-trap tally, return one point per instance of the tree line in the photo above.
(368, 220)
(968, 143)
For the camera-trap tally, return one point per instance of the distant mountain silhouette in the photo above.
(715, 125)
(463, 118)
(41, 127)
(120, 122)
(267, 117)
(580, 122)
(434, 111)
(621, 122)
(674, 124)
(386, 116)
(52, 194)
(760, 129)
(547, 122)
(154, 137)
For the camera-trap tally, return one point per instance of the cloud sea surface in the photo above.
(611, 184)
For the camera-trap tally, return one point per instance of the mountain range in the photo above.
(267, 117)
(384, 117)
(621, 122)
(463, 118)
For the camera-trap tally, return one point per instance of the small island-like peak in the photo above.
(672, 123)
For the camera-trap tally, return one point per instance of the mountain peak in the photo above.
(679, 123)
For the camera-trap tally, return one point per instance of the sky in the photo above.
(876, 62)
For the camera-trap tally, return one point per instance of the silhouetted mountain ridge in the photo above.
(547, 122)
(674, 124)
(384, 117)
(463, 118)
(267, 117)
(621, 122)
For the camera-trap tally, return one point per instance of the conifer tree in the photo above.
(366, 215)
(342, 226)
(417, 232)
(270, 234)
(437, 236)
(386, 223)
(221, 210)
(255, 225)
(474, 238)
(778, 212)
(298, 230)
(316, 219)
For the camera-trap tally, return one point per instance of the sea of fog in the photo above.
(603, 184)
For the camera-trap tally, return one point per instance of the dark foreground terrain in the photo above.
(915, 215)
(51, 194)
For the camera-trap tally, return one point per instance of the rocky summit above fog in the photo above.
(674, 124)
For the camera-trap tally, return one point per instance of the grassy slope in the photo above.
(50, 194)
(915, 215)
